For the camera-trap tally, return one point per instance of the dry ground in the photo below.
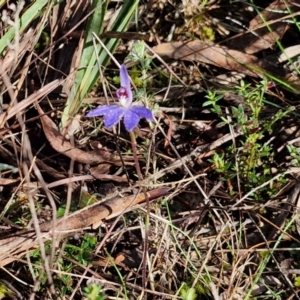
(219, 164)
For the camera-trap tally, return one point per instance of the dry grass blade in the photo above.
(266, 29)
(98, 173)
(28, 101)
(10, 57)
(23, 241)
(25, 20)
(225, 145)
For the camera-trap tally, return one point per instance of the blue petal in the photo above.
(124, 78)
(113, 116)
(142, 112)
(130, 97)
(131, 120)
(125, 83)
(101, 110)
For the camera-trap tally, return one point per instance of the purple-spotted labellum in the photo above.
(114, 113)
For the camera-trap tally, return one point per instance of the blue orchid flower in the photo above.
(114, 113)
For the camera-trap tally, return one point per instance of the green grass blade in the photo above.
(95, 24)
(34, 11)
(88, 74)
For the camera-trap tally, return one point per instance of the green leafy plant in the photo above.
(93, 292)
(213, 99)
(295, 154)
(64, 281)
(5, 291)
(83, 252)
(252, 157)
(188, 293)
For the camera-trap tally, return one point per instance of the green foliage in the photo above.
(295, 154)
(138, 54)
(264, 254)
(297, 282)
(64, 282)
(208, 33)
(221, 166)
(140, 72)
(213, 99)
(43, 41)
(82, 253)
(62, 210)
(188, 293)
(88, 73)
(93, 292)
(5, 292)
(252, 157)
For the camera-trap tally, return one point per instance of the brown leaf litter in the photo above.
(63, 146)
(24, 241)
(266, 28)
(216, 55)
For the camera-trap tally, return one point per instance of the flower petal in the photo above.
(131, 119)
(125, 84)
(101, 110)
(143, 112)
(113, 116)
(124, 78)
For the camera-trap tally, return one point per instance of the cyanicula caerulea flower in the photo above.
(114, 113)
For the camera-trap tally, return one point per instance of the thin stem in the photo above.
(135, 157)
(147, 221)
